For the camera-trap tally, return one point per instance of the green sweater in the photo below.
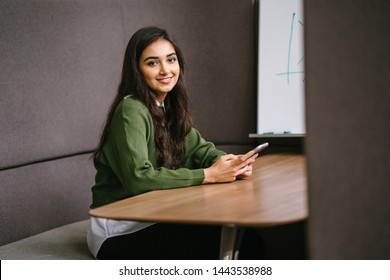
(127, 162)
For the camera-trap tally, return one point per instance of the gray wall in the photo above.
(348, 129)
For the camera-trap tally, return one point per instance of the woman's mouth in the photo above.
(165, 80)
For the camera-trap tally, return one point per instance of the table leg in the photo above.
(230, 240)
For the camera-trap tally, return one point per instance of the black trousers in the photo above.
(164, 241)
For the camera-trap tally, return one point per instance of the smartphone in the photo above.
(256, 150)
(260, 148)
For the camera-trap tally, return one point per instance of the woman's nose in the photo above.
(163, 69)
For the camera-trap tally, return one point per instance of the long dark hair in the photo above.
(171, 128)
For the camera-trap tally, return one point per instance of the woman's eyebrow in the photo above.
(156, 57)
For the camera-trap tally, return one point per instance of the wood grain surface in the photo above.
(275, 194)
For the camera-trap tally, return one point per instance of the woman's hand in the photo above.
(249, 167)
(229, 167)
(247, 173)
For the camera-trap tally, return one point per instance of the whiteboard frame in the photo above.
(295, 113)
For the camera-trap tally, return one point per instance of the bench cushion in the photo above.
(63, 243)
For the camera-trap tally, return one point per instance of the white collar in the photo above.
(160, 104)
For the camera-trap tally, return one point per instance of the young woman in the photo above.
(148, 143)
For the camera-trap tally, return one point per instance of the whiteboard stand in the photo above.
(281, 143)
(287, 135)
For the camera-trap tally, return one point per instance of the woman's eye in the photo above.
(152, 63)
(172, 59)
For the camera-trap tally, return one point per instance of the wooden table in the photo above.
(274, 195)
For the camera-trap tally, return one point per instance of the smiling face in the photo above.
(160, 67)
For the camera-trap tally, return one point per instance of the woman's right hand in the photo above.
(227, 168)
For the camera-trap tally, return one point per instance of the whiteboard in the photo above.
(281, 106)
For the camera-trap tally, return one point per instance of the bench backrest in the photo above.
(60, 67)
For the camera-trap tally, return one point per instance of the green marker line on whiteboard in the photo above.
(289, 49)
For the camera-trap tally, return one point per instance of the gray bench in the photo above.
(60, 65)
(42, 205)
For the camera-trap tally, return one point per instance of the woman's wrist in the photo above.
(207, 176)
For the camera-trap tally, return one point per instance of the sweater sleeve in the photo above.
(199, 152)
(129, 151)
